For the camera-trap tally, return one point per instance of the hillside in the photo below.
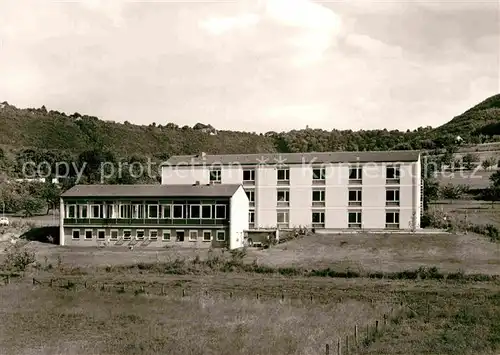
(482, 119)
(40, 129)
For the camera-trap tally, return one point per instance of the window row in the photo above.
(153, 235)
(318, 218)
(318, 175)
(319, 197)
(134, 211)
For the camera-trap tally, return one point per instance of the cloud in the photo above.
(219, 26)
(276, 65)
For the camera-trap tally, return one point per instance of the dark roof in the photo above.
(151, 191)
(297, 158)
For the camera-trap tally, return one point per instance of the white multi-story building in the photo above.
(334, 190)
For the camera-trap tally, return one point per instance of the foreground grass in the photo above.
(55, 321)
(468, 325)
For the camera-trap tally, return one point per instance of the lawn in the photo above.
(42, 320)
(364, 252)
(223, 315)
(476, 212)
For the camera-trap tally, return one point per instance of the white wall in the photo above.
(184, 175)
(336, 181)
(265, 197)
(300, 197)
(238, 218)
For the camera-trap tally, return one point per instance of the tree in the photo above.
(31, 205)
(431, 191)
(488, 163)
(451, 192)
(495, 179)
(469, 159)
(50, 193)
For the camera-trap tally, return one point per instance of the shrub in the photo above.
(18, 259)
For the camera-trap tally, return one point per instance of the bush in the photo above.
(18, 259)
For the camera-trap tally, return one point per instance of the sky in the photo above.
(261, 65)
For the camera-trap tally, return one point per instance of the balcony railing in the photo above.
(130, 221)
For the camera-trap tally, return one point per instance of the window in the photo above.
(215, 176)
(71, 211)
(354, 219)
(193, 235)
(355, 175)
(283, 197)
(114, 235)
(282, 218)
(392, 173)
(139, 235)
(319, 174)
(249, 175)
(251, 217)
(138, 211)
(153, 211)
(166, 212)
(166, 236)
(76, 234)
(178, 211)
(283, 175)
(195, 212)
(220, 211)
(127, 235)
(101, 235)
(153, 235)
(179, 235)
(88, 234)
(318, 197)
(221, 236)
(125, 211)
(392, 197)
(318, 219)
(251, 196)
(355, 197)
(392, 219)
(96, 211)
(206, 211)
(207, 236)
(83, 211)
(109, 211)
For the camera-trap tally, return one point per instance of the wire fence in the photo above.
(361, 336)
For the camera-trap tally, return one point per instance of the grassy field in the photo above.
(364, 252)
(476, 212)
(474, 179)
(222, 315)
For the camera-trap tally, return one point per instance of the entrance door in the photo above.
(180, 236)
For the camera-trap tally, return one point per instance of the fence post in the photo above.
(231, 294)
(347, 344)
(183, 293)
(162, 290)
(356, 335)
(376, 326)
(51, 281)
(7, 279)
(339, 347)
(34, 281)
(385, 320)
(327, 349)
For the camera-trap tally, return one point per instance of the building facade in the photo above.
(154, 215)
(338, 190)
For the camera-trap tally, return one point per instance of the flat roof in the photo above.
(297, 158)
(151, 191)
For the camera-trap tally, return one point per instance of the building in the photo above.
(154, 215)
(333, 190)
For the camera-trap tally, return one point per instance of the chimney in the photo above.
(203, 155)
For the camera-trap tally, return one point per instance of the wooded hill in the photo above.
(40, 129)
